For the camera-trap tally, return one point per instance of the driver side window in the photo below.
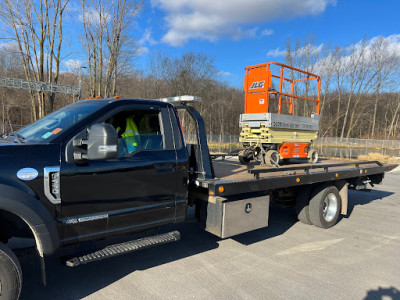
(137, 130)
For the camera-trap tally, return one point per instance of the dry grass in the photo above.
(379, 157)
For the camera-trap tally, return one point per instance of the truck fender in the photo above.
(342, 186)
(34, 214)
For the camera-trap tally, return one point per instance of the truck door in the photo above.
(134, 191)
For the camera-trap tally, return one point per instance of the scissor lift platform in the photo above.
(271, 130)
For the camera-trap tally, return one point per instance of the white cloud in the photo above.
(392, 43)
(141, 51)
(267, 32)
(8, 46)
(378, 48)
(93, 16)
(306, 49)
(364, 52)
(213, 19)
(223, 73)
(276, 52)
(147, 39)
(73, 64)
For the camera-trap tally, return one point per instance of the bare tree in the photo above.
(395, 117)
(36, 27)
(110, 48)
(303, 55)
(356, 74)
(349, 75)
(384, 62)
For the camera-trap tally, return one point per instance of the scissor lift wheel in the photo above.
(312, 156)
(272, 158)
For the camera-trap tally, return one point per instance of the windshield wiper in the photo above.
(17, 136)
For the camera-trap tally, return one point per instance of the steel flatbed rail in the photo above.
(308, 167)
(264, 179)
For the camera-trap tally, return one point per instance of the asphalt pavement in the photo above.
(359, 258)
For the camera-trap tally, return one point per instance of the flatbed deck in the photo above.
(233, 178)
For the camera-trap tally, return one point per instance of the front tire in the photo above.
(325, 206)
(244, 160)
(10, 274)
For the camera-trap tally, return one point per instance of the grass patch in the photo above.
(381, 158)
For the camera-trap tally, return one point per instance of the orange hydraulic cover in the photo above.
(293, 150)
(256, 84)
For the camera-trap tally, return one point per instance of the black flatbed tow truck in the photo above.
(73, 176)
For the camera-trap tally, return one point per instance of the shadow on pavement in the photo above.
(280, 220)
(76, 283)
(362, 198)
(383, 293)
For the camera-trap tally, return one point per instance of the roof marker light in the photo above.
(181, 99)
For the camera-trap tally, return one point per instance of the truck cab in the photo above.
(70, 177)
(143, 184)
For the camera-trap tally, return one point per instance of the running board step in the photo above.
(123, 248)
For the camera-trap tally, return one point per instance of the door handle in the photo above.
(163, 168)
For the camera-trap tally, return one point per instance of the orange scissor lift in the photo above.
(271, 130)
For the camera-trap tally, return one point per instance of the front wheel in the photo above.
(325, 206)
(10, 274)
(244, 160)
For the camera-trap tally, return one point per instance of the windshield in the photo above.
(45, 129)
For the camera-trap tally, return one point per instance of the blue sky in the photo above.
(240, 33)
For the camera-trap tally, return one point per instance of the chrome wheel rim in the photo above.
(330, 207)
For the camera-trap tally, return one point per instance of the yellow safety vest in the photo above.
(131, 135)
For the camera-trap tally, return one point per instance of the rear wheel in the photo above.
(10, 274)
(272, 158)
(312, 156)
(302, 201)
(325, 206)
